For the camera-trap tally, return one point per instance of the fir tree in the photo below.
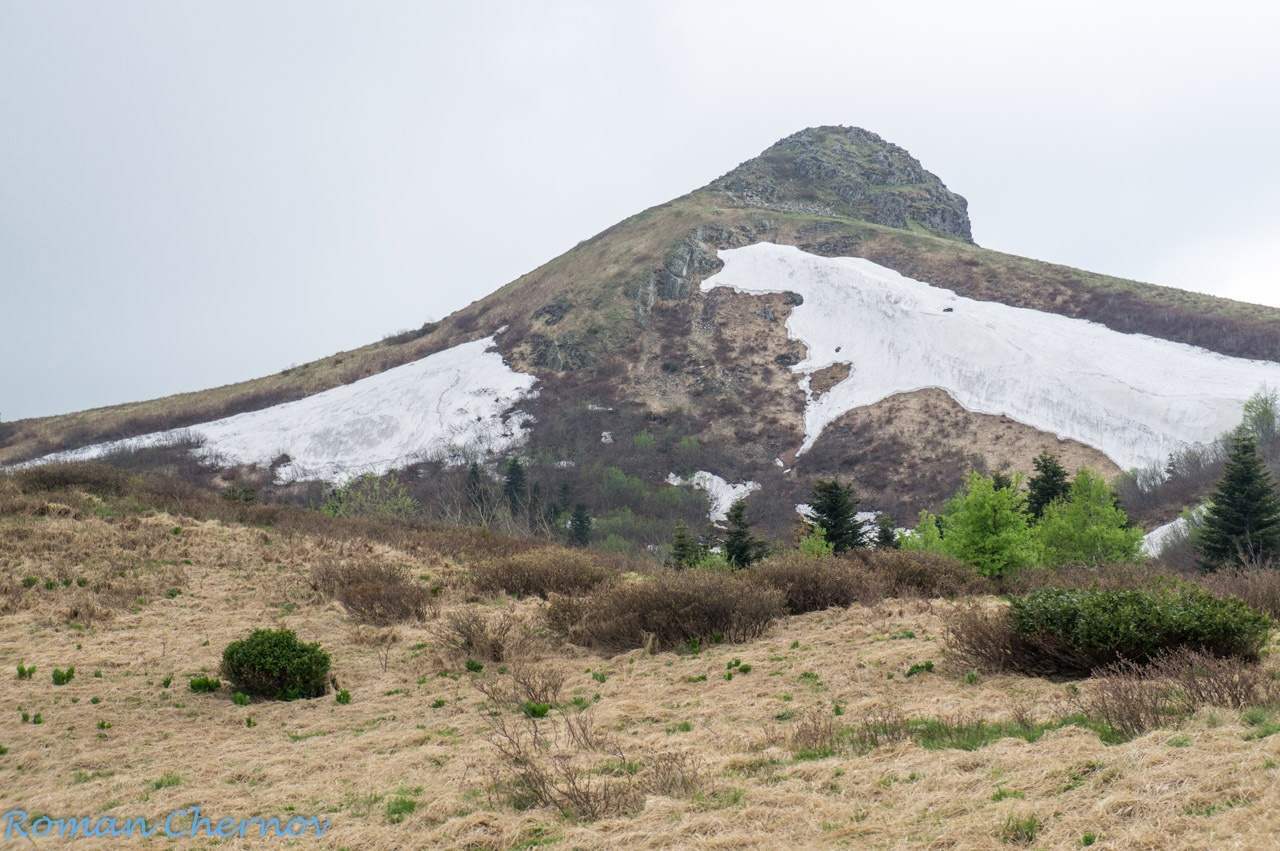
(685, 551)
(1048, 483)
(834, 507)
(886, 535)
(1242, 521)
(580, 526)
(741, 548)
(516, 486)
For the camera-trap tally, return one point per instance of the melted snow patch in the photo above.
(1135, 398)
(431, 407)
(722, 494)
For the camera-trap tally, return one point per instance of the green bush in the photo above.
(1084, 628)
(204, 685)
(61, 677)
(274, 664)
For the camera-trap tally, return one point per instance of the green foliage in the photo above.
(516, 486)
(644, 441)
(399, 808)
(61, 677)
(274, 664)
(1242, 521)
(535, 709)
(920, 668)
(886, 535)
(686, 551)
(1048, 484)
(834, 507)
(1261, 412)
(240, 699)
(204, 685)
(580, 526)
(474, 666)
(25, 673)
(1020, 830)
(814, 544)
(741, 548)
(371, 496)
(1087, 527)
(927, 536)
(1086, 628)
(343, 697)
(987, 527)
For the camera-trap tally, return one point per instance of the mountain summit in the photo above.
(818, 311)
(848, 171)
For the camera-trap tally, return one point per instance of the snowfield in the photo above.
(431, 407)
(722, 494)
(1133, 397)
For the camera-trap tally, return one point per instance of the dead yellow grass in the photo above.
(418, 728)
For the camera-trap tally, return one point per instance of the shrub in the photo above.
(95, 478)
(274, 664)
(669, 609)
(496, 638)
(240, 699)
(813, 583)
(540, 573)
(1259, 587)
(371, 496)
(374, 593)
(343, 697)
(25, 672)
(905, 573)
(61, 677)
(1072, 631)
(204, 685)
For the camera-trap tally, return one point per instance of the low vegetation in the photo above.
(274, 664)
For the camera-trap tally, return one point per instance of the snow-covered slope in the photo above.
(721, 493)
(1135, 398)
(451, 399)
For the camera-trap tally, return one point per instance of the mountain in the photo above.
(819, 310)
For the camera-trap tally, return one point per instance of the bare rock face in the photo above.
(848, 171)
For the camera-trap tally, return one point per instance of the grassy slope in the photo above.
(1205, 785)
(600, 276)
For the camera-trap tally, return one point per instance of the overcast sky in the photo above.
(197, 193)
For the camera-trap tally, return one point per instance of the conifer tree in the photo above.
(516, 486)
(685, 551)
(1242, 521)
(580, 526)
(834, 507)
(1048, 483)
(886, 535)
(741, 548)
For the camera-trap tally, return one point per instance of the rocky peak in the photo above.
(848, 171)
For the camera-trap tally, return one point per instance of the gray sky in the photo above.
(197, 193)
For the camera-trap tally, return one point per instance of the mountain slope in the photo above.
(622, 338)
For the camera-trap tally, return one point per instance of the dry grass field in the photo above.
(796, 749)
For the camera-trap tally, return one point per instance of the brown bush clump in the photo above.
(1258, 587)
(97, 479)
(499, 637)
(668, 609)
(810, 584)
(373, 592)
(541, 572)
(906, 573)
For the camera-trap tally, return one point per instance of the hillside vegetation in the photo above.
(491, 691)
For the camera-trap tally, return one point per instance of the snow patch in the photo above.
(1154, 542)
(805, 510)
(722, 494)
(1135, 398)
(436, 406)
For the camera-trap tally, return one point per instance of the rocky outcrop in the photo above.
(848, 171)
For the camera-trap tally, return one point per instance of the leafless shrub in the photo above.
(541, 572)
(813, 584)
(1258, 586)
(1111, 577)
(907, 573)
(538, 766)
(1202, 679)
(668, 609)
(537, 683)
(1128, 699)
(675, 775)
(815, 734)
(92, 477)
(495, 638)
(980, 637)
(373, 592)
(876, 728)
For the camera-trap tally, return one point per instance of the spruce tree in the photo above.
(580, 526)
(1242, 521)
(886, 535)
(516, 486)
(1048, 483)
(741, 548)
(834, 507)
(685, 551)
